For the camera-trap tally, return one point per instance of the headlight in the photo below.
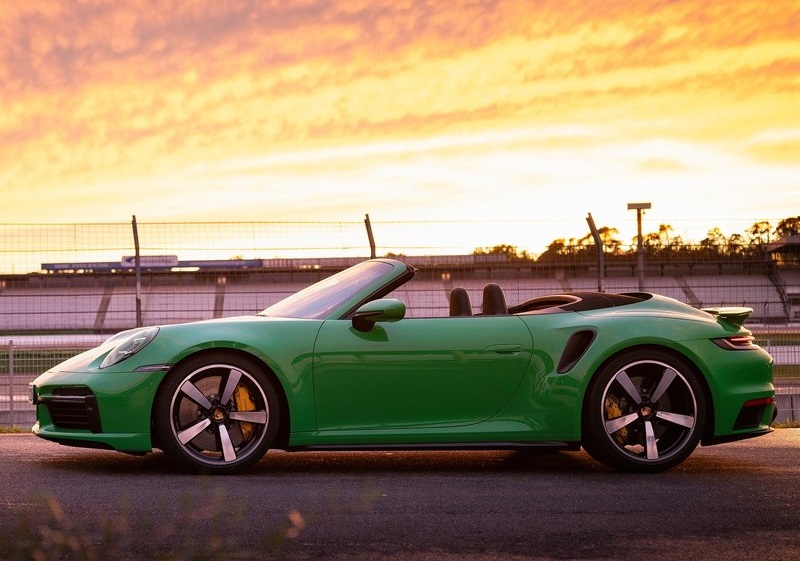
(128, 344)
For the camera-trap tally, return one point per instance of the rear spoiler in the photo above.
(734, 315)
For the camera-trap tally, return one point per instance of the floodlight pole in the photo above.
(639, 207)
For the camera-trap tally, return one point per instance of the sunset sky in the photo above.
(305, 110)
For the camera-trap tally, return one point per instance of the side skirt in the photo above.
(541, 446)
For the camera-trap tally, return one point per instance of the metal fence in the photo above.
(65, 287)
(21, 361)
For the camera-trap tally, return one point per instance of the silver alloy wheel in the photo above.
(649, 412)
(219, 414)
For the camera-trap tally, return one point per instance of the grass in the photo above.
(195, 534)
(205, 525)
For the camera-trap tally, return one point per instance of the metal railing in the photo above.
(77, 283)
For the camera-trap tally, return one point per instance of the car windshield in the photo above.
(319, 299)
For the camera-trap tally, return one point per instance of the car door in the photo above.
(417, 373)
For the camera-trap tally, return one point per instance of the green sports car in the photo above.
(637, 379)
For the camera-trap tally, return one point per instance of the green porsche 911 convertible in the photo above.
(636, 379)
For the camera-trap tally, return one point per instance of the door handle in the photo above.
(503, 349)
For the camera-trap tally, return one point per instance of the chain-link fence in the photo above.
(65, 287)
(22, 359)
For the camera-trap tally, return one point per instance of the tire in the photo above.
(216, 413)
(644, 412)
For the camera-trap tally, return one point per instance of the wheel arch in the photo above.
(282, 437)
(708, 429)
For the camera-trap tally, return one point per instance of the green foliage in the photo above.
(663, 244)
(510, 252)
(788, 227)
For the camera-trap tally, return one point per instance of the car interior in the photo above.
(494, 302)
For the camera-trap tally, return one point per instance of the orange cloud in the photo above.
(98, 91)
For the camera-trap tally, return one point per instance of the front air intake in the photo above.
(73, 408)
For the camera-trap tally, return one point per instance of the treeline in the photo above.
(662, 244)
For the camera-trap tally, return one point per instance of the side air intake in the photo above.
(576, 346)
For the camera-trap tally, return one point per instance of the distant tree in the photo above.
(650, 240)
(736, 245)
(510, 251)
(714, 238)
(607, 237)
(661, 239)
(664, 244)
(664, 233)
(759, 232)
(557, 246)
(788, 227)
(677, 242)
(559, 249)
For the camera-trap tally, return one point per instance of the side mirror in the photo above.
(385, 309)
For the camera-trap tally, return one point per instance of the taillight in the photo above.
(736, 342)
(759, 402)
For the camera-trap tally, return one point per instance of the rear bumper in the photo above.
(734, 437)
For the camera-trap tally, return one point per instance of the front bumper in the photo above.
(96, 410)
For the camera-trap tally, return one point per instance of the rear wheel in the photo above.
(217, 413)
(644, 411)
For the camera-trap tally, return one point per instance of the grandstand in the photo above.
(790, 280)
(98, 299)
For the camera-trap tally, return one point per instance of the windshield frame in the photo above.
(337, 295)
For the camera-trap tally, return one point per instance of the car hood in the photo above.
(174, 340)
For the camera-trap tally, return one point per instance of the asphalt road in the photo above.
(731, 502)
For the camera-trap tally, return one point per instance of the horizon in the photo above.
(24, 248)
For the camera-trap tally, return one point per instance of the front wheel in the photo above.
(644, 412)
(216, 413)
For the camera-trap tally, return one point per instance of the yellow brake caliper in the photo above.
(244, 402)
(613, 412)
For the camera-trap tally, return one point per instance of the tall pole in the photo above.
(639, 207)
(372, 249)
(138, 271)
(640, 249)
(601, 261)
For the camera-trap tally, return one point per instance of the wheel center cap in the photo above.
(646, 411)
(218, 414)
